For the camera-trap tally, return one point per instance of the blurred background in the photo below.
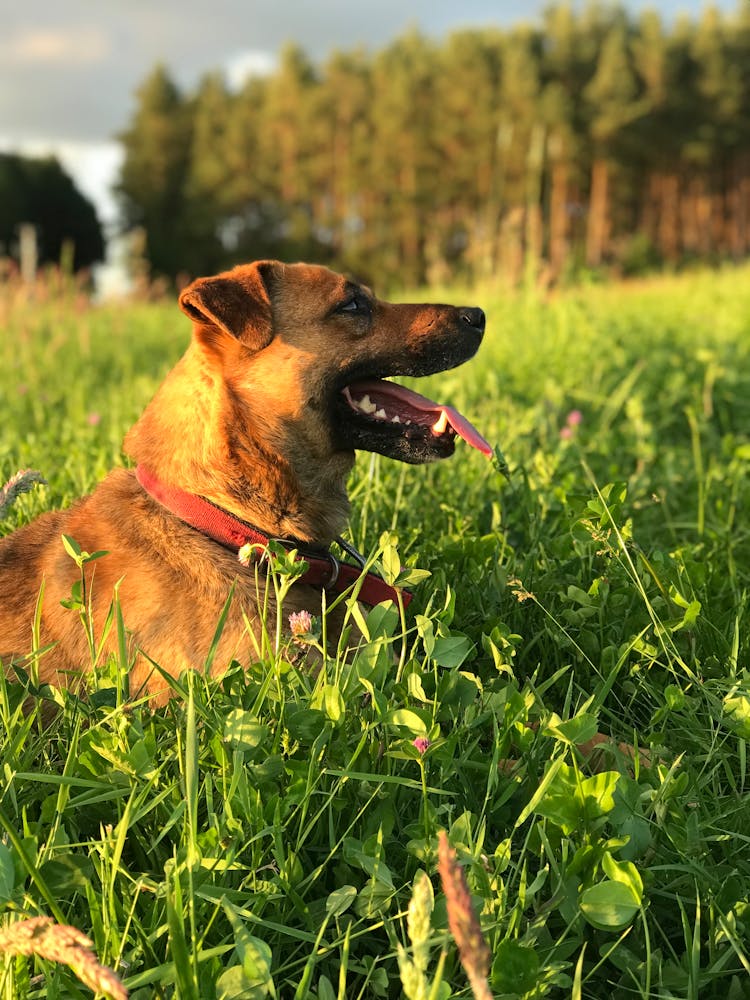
(405, 142)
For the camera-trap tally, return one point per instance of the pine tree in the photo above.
(253, 223)
(612, 96)
(591, 137)
(465, 211)
(521, 141)
(404, 169)
(206, 201)
(152, 181)
(343, 168)
(719, 91)
(288, 146)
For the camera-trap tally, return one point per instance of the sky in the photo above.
(69, 68)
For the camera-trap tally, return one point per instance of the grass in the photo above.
(261, 836)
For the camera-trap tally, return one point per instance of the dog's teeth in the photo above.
(381, 414)
(440, 424)
(366, 406)
(396, 419)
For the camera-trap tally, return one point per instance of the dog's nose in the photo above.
(473, 317)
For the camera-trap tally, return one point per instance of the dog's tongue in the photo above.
(377, 395)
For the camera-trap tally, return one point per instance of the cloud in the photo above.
(94, 166)
(251, 62)
(55, 47)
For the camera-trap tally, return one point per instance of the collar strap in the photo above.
(324, 570)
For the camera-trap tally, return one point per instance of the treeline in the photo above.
(39, 193)
(592, 139)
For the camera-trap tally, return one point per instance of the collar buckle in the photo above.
(307, 556)
(335, 569)
(351, 551)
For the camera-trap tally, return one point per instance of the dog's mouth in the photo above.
(382, 416)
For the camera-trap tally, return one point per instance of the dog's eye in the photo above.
(357, 304)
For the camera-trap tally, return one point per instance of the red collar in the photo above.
(324, 570)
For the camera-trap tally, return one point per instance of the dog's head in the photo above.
(305, 354)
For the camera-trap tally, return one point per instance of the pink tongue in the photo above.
(405, 401)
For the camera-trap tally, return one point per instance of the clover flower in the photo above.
(302, 626)
(572, 421)
(301, 623)
(422, 744)
(245, 554)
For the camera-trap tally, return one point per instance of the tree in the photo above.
(718, 82)
(612, 96)
(404, 168)
(289, 145)
(592, 136)
(252, 225)
(40, 192)
(466, 206)
(206, 199)
(152, 182)
(342, 170)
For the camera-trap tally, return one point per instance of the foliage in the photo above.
(263, 835)
(40, 192)
(533, 151)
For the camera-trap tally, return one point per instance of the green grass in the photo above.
(260, 837)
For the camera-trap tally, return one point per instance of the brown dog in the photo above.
(250, 437)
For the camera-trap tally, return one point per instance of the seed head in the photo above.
(67, 945)
(473, 952)
(21, 482)
(418, 919)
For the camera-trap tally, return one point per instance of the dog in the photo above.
(250, 438)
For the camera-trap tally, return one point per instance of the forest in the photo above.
(592, 140)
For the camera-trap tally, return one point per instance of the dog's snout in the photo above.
(473, 317)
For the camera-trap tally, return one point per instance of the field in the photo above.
(262, 836)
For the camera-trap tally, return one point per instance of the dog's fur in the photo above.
(253, 419)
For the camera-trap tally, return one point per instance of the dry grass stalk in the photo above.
(61, 943)
(473, 951)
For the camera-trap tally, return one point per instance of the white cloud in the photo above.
(248, 63)
(55, 47)
(94, 167)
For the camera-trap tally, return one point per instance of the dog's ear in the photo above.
(235, 304)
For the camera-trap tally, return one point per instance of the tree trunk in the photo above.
(744, 209)
(668, 239)
(689, 217)
(736, 221)
(597, 230)
(718, 220)
(558, 219)
(410, 228)
(704, 211)
(649, 207)
(534, 235)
